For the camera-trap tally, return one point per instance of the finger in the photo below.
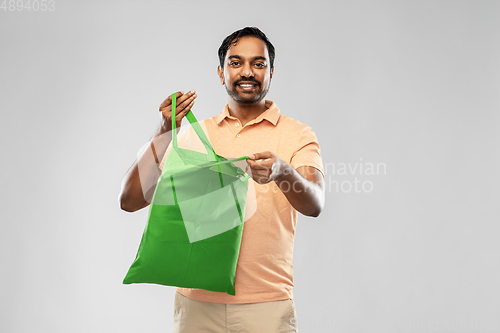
(186, 104)
(256, 174)
(260, 156)
(261, 179)
(261, 168)
(259, 165)
(180, 114)
(168, 100)
(185, 98)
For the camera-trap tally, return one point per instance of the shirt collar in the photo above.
(272, 114)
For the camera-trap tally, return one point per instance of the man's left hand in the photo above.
(266, 167)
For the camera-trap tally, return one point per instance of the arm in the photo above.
(303, 187)
(136, 194)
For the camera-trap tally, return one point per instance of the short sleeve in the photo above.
(308, 152)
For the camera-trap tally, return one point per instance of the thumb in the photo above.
(260, 156)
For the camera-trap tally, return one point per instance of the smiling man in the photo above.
(285, 163)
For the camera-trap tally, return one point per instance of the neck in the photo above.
(246, 112)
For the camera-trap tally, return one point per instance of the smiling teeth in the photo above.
(246, 85)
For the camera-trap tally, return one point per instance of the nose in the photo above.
(246, 70)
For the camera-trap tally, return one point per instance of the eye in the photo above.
(234, 63)
(260, 64)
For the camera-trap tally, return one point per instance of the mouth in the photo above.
(247, 86)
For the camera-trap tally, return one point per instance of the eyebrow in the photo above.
(253, 59)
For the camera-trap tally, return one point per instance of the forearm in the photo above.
(306, 196)
(140, 180)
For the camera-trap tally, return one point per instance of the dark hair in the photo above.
(235, 36)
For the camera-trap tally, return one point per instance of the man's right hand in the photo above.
(184, 103)
(140, 180)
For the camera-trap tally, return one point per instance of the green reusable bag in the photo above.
(193, 234)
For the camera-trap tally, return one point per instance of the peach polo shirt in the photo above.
(264, 271)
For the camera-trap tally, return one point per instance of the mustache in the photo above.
(247, 80)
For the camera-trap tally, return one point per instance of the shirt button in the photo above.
(238, 135)
(237, 124)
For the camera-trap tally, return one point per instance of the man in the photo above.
(285, 163)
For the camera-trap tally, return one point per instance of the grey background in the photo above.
(410, 84)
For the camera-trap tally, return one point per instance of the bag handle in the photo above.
(197, 128)
(201, 135)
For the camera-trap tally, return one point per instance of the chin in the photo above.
(246, 98)
(249, 100)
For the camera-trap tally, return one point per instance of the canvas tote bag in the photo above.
(193, 233)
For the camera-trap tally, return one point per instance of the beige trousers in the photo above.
(192, 316)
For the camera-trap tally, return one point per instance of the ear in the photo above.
(272, 71)
(220, 72)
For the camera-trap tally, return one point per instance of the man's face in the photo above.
(247, 73)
